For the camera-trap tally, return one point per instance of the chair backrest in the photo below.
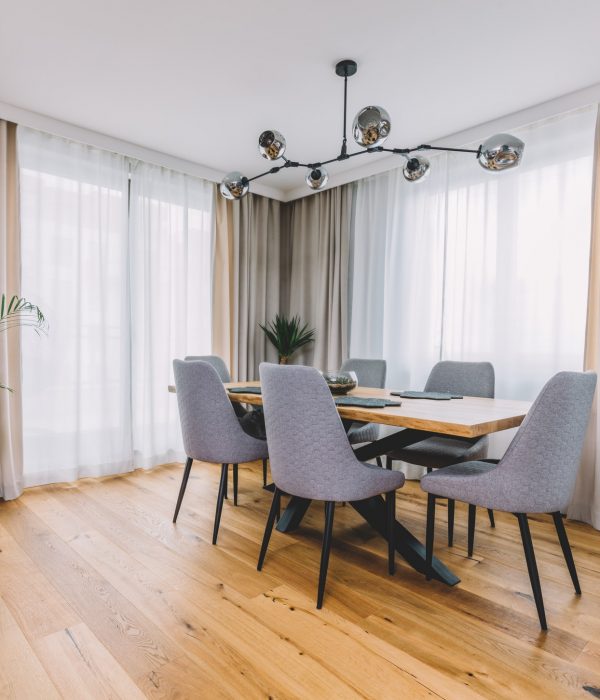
(465, 378)
(221, 368)
(216, 362)
(368, 372)
(542, 461)
(309, 451)
(209, 425)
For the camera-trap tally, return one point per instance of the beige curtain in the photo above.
(11, 433)
(319, 242)
(247, 281)
(585, 504)
(222, 288)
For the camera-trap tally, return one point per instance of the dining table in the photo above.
(417, 419)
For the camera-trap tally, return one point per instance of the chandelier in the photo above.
(370, 129)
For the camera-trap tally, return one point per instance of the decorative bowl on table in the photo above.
(340, 382)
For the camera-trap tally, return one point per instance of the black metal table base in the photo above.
(373, 509)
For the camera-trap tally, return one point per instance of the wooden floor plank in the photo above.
(376, 667)
(34, 602)
(101, 596)
(155, 594)
(22, 676)
(82, 668)
(121, 627)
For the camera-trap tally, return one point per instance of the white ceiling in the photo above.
(200, 80)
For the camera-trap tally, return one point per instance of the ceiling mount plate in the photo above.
(346, 68)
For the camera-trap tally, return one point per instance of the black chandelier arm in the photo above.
(426, 147)
(310, 166)
(374, 149)
(397, 151)
(423, 147)
(277, 168)
(342, 156)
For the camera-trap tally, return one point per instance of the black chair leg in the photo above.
(491, 517)
(235, 484)
(390, 506)
(273, 510)
(264, 472)
(566, 548)
(471, 529)
(184, 480)
(327, 534)
(451, 504)
(429, 534)
(388, 462)
(379, 462)
(534, 576)
(220, 499)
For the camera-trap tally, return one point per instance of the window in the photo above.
(124, 278)
(470, 265)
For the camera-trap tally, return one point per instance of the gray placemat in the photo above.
(245, 390)
(432, 395)
(365, 402)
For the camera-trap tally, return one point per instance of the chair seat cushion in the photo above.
(363, 432)
(462, 482)
(362, 480)
(439, 452)
(490, 485)
(365, 481)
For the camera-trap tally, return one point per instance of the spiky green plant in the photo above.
(19, 312)
(287, 335)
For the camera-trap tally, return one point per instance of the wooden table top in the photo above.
(468, 417)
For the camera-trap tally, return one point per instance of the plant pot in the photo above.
(283, 360)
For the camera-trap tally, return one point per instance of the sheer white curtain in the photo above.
(470, 265)
(76, 406)
(517, 258)
(397, 274)
(172, 230)
(124, 279)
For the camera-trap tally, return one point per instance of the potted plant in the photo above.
(287, 335)
(19, 312)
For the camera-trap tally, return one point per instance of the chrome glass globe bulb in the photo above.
(371, 126)
(501, 152)
(317, 179)
(271, 144)
(416, 169)
(234, 185)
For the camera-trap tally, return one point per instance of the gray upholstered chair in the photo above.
(311, 457)
(536, 475)
(241, 412)
(211, 430)
(369, 373)
(215, 361)
(465, 379)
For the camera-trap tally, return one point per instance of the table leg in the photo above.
(292, 516)
(407, 545)
(396, 441)
(373, 509)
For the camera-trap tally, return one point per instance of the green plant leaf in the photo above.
(21, 312)
(287, 335)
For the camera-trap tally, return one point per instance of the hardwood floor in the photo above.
(101, 596)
